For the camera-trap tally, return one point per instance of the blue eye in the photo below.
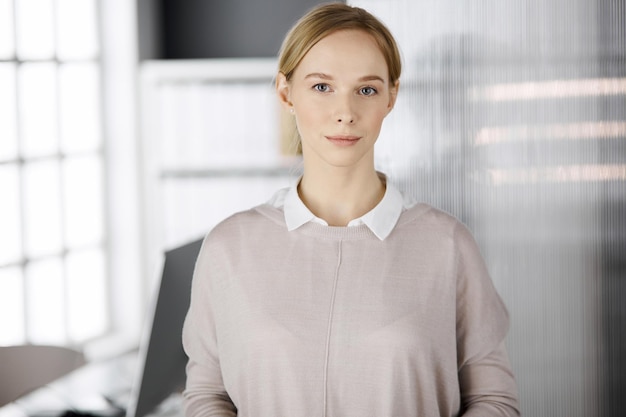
(368, 91)
(322, 88)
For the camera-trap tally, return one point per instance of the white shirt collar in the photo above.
(380, 220)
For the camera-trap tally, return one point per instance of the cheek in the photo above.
(377, 117)
(309, 114)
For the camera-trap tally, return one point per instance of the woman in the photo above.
(340, 297)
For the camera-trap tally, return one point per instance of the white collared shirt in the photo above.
(380, 220)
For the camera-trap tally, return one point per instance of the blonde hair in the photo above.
(325, 19)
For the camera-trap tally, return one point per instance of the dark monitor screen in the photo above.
(162, 360)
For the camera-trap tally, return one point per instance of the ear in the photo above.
(393, 95)
(283, 91)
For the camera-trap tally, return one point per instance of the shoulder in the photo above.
(425, 216)
(244, 222)
(240, 233)
(434, 228)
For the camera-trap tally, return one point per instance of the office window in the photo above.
(52, 230)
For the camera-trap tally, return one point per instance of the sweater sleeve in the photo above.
(487, 384)
(488, 387)
(204, 394)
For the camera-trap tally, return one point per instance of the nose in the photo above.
(344, 110)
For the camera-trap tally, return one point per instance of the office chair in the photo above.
(27, 367)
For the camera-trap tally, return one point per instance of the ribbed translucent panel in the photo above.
(512, 116)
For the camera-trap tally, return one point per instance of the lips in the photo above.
(343, 140)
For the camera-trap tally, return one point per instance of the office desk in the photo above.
(102, 388)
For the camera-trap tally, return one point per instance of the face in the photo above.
(339, 94)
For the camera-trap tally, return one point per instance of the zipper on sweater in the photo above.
(330, 326)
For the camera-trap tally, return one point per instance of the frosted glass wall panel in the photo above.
(512, 116)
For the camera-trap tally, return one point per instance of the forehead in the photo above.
(349, 51)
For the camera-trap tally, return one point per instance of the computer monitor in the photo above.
(162, 361)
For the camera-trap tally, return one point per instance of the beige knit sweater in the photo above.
(333, 322)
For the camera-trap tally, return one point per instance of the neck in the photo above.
(339, 195)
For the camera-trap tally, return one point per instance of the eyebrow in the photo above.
(323, 76)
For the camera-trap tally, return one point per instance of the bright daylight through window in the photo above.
(52, 228)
